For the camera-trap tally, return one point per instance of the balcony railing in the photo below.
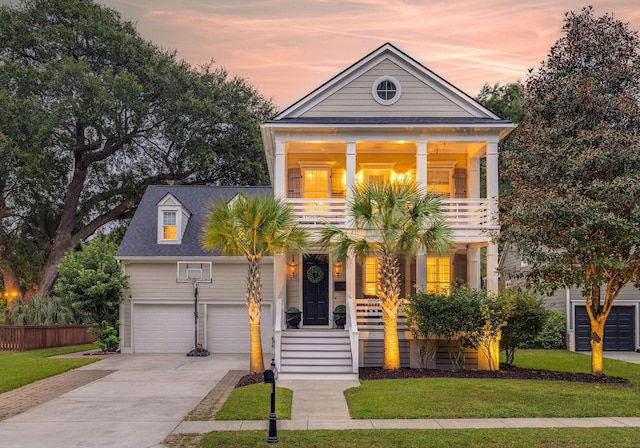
(460, 213)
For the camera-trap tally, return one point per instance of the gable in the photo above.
(424, 95)
(418, 97)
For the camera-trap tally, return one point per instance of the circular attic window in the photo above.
(386, 90)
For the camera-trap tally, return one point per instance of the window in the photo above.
(386, 90)
(169, 226)
(438, 273)
(438, 181)
(371, 276)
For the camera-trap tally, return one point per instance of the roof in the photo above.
(141, 237)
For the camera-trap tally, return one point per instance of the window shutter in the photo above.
(460, 182)
(460, 268)
(293, 188)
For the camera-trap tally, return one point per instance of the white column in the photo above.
(351, 168)
(280, 171)
(473, 266)
(421, 270)
(492, 267)
(474, 178)
(421, 256)
(421, 164)
(492, 181)
(280, 280)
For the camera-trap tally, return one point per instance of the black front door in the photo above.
(315, 290)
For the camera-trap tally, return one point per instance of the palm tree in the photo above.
(389, 220)
(253, 227)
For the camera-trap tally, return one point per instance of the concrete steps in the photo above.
(315, 354)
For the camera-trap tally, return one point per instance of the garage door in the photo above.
(163, 328)
(619, 331)
(228, 328)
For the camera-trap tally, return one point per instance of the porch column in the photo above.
(473, 265)
(421, 270)
(350, 277)
(492, 181)
(421, 164)
(492, 267)
(474, 177)
(280, 174)
(351, 169)
(280, 281)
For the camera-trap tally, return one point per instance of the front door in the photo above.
(315, 290)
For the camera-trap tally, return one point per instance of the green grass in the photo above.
(512, 438)
(498, 398)
(20, 368)
(254, 402)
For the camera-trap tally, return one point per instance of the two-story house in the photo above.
(385, 117)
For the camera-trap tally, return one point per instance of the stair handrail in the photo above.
(277, 330)
(354, 337)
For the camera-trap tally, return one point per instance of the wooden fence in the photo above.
(32, 337)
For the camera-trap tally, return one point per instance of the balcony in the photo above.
(461, 214)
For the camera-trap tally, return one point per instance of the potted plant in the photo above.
(293, 317)
(340, 316)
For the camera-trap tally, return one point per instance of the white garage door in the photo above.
(163, 328)
(228, 328)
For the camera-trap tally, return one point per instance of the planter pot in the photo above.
(293, 319)
(340, 319)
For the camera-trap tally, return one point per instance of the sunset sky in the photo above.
(286, 48)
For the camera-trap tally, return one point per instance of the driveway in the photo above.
(136, 406)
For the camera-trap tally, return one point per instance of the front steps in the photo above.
(316, 354)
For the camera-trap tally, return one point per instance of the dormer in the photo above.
(172, 220)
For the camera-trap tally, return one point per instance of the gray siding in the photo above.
(418, 99)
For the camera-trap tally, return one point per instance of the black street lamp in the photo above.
(270, 376)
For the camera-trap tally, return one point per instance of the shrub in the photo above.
(526, 318)
(340, 309)
(107, 334)
(553, 333)
(44, 310)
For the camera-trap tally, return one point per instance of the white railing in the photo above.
(369, 314)
(466, 213)
(316, 212)
(460, 213)
(354, 336)
(277, 330)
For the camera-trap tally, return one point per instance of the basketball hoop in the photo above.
(198, 350)
(194, 282)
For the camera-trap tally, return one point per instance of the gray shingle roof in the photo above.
(141, 237)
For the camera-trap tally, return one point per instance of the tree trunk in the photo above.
(597, 343)
(391, 346)
(12, 287)
(254, 299)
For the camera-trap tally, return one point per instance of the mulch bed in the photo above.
(512, 373)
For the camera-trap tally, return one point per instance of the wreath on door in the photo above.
(315, 274)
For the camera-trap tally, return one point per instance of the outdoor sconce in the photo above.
(293, 268)
(337, 268)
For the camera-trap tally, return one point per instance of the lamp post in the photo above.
(270, 376)
(197, 350)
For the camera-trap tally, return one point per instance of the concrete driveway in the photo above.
(136, 406)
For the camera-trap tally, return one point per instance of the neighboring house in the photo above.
(385, 117)
(621, 332)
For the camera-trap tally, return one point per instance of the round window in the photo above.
(386, 90)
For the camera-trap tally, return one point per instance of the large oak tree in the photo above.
(91, 114)
(573, 210)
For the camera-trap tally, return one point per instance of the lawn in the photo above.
(492, 398)
(474, 398)
(20, 368)
(512, 438)
(254, 402)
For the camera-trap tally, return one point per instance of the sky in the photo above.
(287, 48)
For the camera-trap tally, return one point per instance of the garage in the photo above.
(619, 331)
(163, 328)
(228, 328)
